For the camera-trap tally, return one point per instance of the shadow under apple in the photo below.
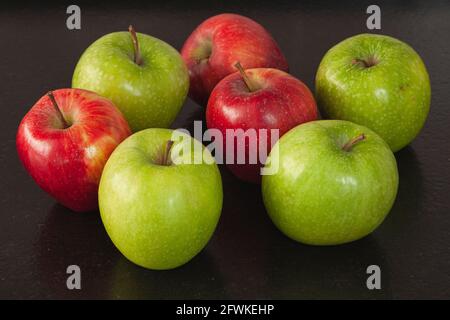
(409, 201)
(297, 271)
(190, 113)
(198, 279)
(71, 238)
(259, 262)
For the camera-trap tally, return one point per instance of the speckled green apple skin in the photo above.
(159, 217)
(392, 97)
(149, 95)
(323, 195)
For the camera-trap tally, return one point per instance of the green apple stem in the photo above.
(137, 51)
(248, 82)
(166, 157)
(58, 110)
(366, 63)
(348, 146)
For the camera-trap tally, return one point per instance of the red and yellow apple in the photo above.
(215, 46)
(64, 142)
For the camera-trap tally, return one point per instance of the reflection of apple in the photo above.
(212, 50)
(376, 81)
(144, 77)
(260, 98)
(158, 207)
(128, 281)
(336, 182)
(64, 142)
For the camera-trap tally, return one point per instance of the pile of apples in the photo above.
(104, 143)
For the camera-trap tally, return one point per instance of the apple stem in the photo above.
(166, 158)
(58, 110)
(137, 51)
(250, 85)
(366, 63)
(348, 146)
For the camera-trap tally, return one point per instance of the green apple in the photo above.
(336, 182)
(158, 206)
(378, 82)
(145, 77)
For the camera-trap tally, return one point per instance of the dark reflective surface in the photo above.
(247, 257)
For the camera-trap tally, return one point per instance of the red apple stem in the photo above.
(248, 82)
(166, 157)
(137, 51)
(348, 146)
(58, 110)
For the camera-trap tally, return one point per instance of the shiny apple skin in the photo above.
(228, 38)
(282, 102)
(67, 162)
(391, 97)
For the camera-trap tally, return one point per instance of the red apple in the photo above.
(260, 98)
(64, 142)
(214, 47)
